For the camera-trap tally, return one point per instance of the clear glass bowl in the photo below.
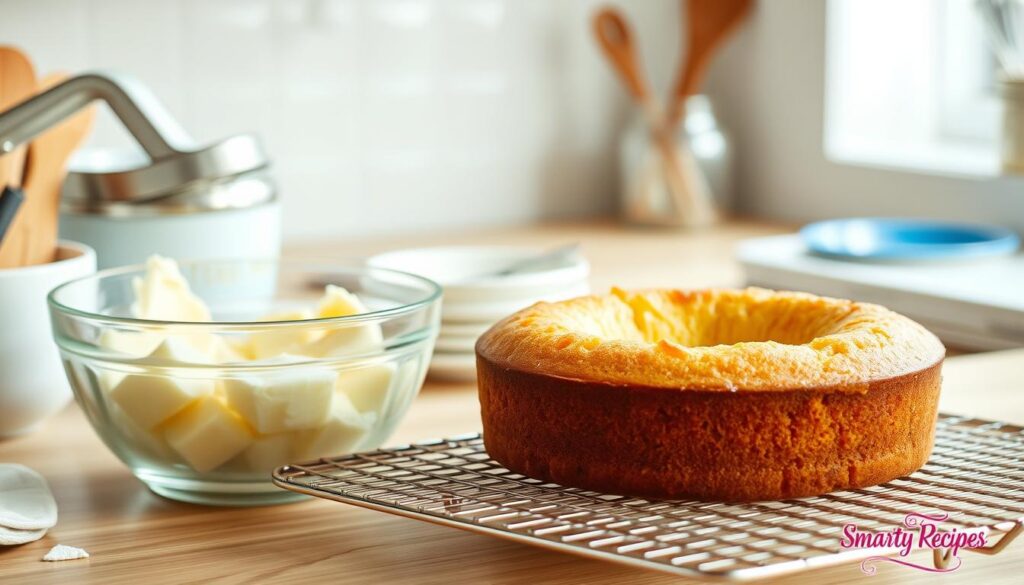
(209, 426)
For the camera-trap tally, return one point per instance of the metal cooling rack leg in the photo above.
(943, 558)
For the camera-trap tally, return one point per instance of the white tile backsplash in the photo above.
(380, 115)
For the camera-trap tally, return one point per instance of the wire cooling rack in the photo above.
(976, 475)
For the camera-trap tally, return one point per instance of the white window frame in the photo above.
(969, 104)
(933, 53)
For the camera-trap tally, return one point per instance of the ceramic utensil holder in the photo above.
(645, 195)
(32, 383)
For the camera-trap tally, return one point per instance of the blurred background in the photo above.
(565, 128)
(509, 151)
(388, 116)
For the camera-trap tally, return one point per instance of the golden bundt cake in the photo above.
(715, 394)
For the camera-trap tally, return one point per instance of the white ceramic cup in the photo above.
(32, 381)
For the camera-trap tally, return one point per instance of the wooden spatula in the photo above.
(17, 83)
(48, 157)
(708, 24)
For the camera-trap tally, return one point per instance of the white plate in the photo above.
(453, 367)
(471, 329)
(445, 334)
(494, 311)
(450, 344)
(466, 272)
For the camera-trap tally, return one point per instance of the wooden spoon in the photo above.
(17, 83)
(687, 185)
(44, 176)
(708, 24)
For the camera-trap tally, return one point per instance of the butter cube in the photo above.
(207, 434)
(106, 378)
(267, 453)
(282, 401)
(367, 388)
(182, 350)
(227, 351)
(343, 432)
(277, 341)
(199, 348)
(151, 399)
(164, 294)
(214, 349)
(338, 302)
(346, 341)
(133, 343)
(148, 443)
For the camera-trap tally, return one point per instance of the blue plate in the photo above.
(906, 239)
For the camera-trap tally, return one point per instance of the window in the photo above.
(911, 85)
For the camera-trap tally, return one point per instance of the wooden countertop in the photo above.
(136, 536)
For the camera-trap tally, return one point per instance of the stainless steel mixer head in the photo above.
(176, 164)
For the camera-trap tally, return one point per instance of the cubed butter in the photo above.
(215, 349)
(182, 350)
(227, 350)
(199, 348)
(367, 388)
(151, 399)
(277, 341)
(283, 401)
(338, 302)
(212, 348)
(106, 378)
(146, 442)
(342, 433)
(209, 348)
(352, 340)
(267, 453)
(207, 434)
(133, 343)
(164, 294)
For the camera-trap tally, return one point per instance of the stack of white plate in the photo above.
(477, 294)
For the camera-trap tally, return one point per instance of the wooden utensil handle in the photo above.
(616, 40)
(17, 83)
(709, 23)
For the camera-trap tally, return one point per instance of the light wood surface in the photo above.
(137, 537)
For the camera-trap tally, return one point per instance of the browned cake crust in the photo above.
(709, 426)
(707, 445)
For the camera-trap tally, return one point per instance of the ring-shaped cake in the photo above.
(733, 395)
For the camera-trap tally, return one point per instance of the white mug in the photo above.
(32, 381)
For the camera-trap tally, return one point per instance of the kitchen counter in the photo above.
(134, 535)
